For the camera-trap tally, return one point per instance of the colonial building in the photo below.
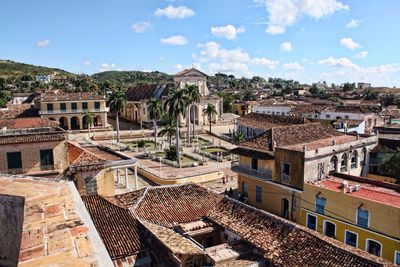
(136, 107)
(161, 226)
(273, 166)
(34, 146)
(68, 109)
(242, 108)
(357, 211)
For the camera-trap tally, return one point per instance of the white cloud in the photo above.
(265, 62)
(285, 13)
(354, 23)
(345, 70)
(362, 54)
(43, 43)
(107, 66)
(349, 43)
(178, 66)
(229, 31)
(229, 67)
(293, 66)
(174, 40)
(142, 26)
(172, 12)
(233, 55)
(87, 63)
(210, 49)
(286, 47)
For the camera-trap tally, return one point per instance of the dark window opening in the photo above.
(74, 106)
(14, 160)
(63, 106)
(46, 159)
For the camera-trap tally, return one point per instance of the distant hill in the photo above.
(10, 68)
(132, 77)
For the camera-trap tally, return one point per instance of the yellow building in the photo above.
(360, 214)
(68, 109)
(244, 107)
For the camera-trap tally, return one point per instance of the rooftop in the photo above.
(367, 191)
(18, 111)
(266, 122)
(32, 135)
(59, 95)
(146, 91)
(23, 123)
(186, 71)
(53, 231)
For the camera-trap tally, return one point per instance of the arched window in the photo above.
(374, 247)
(354, 159)
(285, 208)
(333, 164)
(343, 164)
(329, 229)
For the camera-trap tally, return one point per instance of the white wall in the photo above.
(273, 110)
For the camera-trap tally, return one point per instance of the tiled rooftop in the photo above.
(78, 156)
(59, 95)
(53, 232)
(286, 243)
(171, 205)
(266, 122)
(32, 135)
(117, 227)
(18, 111)
(367, 191)
(21, 123)
(146, 91)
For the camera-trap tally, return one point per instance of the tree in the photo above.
(349, 87)
(209, 111)
(392, 166)
(155, 112)
(169, 128)
(89, 119)
(397, 102)
(193, 96)
(176, 105)
(117, 103)
(314, 89)
(238, 137)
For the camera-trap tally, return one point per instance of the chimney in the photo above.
(344, 186)
(333, 142)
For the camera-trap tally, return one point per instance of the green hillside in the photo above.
(14, 69)
(132, 77)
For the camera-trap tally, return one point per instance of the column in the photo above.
(118, 178)
(136, 180)
(126, 178)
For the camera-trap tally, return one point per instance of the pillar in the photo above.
(126, 178)
(118, 178)
(136, 180)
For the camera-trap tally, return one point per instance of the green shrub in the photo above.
(141, 143)
(170, 153)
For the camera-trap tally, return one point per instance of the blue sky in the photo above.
(307, 40)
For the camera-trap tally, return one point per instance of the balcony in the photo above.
(48, 167)
(80, 111)
(246, 170)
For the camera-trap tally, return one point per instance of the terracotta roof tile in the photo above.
(170, 205)
(264, 121)
(22, 123)
(146, 91)
(117, 227)
(59, 95)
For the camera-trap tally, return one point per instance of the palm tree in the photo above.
(194, 96)
(169, 128)
(177, 105)
(209, 111)
(155, 111)
(117, 102)
(238, 137)
(89, 119)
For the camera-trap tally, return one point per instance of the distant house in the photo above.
(363, 86)
(43, 78)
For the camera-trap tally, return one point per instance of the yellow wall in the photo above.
(341, 209)
(104, 181)
(296, 161)
(56, 104)
(237, 109)
(381, 178)
(262, 164)
(272, 195)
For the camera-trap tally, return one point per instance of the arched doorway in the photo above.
(63, 123)
(285, 208)
(75, 125)
(85, 123)
(98, 121)
(333, 165)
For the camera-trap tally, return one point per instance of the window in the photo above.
(397, 257)
(320, 171)
(46, 159)
(285, 208)
(74, 106)
(97, 105)
(258, 194)
(333, 164)
(351, 238)
(329, 229)
(354, 159)
(362, 156)
(285, 172)
(245, 189)
(362, 218)
(50, 107)
(374, 247)
(320, 205)
(14, 160)
(312, 222)
(343, 164)
(254, 163)
(63, 106)
(346, 117)
(328, 116)
(84, 105)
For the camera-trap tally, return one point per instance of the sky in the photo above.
(335, 41)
